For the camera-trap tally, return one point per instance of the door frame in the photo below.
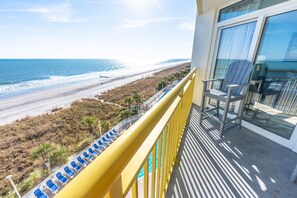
(260, 17)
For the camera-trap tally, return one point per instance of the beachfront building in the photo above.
(181, 158)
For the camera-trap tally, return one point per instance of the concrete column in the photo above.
(201, 49)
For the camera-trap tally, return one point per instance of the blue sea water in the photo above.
(23, 75)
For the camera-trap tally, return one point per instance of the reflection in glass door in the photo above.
(272, 100)
(234, 45)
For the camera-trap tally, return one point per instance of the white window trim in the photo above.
(260, 17)
(285, 5)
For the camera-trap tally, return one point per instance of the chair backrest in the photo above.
(81, 160)
(67, 169)
(49, 183)
(238, 73)
(38, 192)
(111, 133)
(59, 175)
(73, 164)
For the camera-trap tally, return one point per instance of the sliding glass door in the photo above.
(272, 100)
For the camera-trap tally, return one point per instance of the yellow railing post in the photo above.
(135, 189)
(159, 166)
(116, 190)
(146, 180)
(153, 189)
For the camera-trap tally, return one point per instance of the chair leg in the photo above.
(218, 108)
(202, 109)
(240, 112)
(249, 101)
(224, 118)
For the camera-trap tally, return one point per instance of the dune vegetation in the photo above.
(27, 145)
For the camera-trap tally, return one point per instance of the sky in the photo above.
(120, 29)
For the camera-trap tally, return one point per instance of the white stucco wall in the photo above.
(201, 54)
(201, 49)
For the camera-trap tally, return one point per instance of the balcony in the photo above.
(178, 158)
(241, 164)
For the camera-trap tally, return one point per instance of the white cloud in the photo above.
(187, 26)
(117, 2)
(139, 2)
(157, 4)
(141, 23)
(95, 2)
(60, 13)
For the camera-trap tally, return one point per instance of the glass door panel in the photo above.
(272, 100)
(234, 45)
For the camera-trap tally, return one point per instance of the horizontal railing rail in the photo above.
(150, 143)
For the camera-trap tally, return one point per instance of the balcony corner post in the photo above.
(116, 190)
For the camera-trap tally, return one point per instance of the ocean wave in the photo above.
(14, 88)
(17, 88)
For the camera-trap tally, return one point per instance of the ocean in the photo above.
(19, 76)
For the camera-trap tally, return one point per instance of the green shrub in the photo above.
(10, 195)
(125, 113)
(84, 144)
(29, 182)
(161, 84)
(104, 126)
(129, 102)
(50, 154)
(91, 123)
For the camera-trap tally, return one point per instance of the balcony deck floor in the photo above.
(242, 164)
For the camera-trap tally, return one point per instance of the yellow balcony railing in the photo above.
(158, 133)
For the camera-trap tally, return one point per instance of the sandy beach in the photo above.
(43, 101)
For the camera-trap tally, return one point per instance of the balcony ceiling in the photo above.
(204, 5)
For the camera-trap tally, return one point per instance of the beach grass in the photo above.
(66, 126)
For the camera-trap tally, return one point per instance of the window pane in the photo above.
(245, 7)
(235, 43)
(273, 97)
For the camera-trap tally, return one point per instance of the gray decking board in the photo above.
(242, 164)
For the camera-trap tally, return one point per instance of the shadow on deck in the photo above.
(242, 164)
